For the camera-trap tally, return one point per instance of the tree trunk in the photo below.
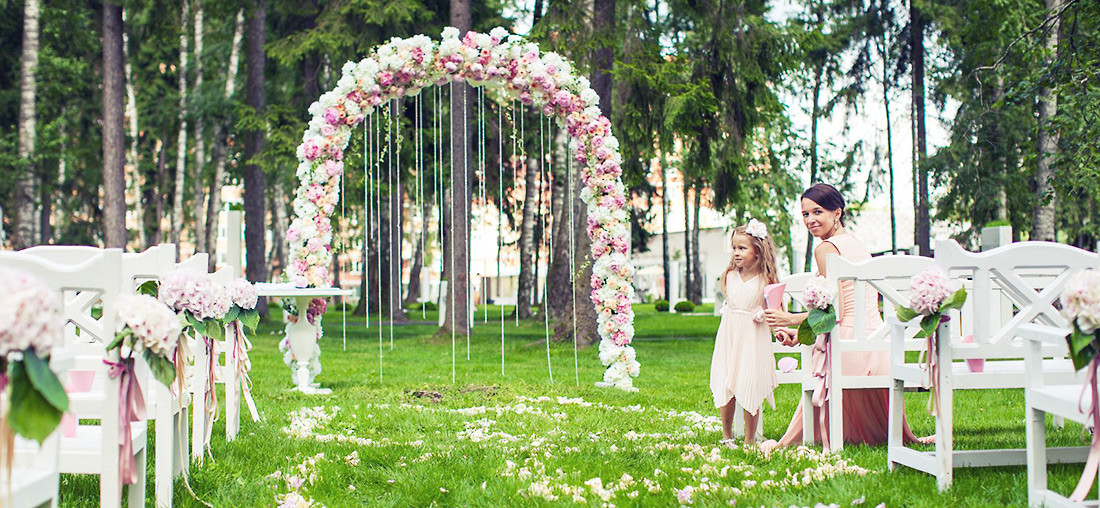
(527, 241)
(134, 180)
(1042, 225)
(255, 182)
(922, 234)
(114, 199)
(882, 49)
(158, 191)
(458, 309)
(279, 224)
(666, 262)
(213, 210)
(1001, 161)
(200, 141)
(390, 229)
(24, 188)
(413, 295)
(696, 268)
(689, 280)
(558, 293)
(181, 136)
(364, 286)
(815, 114)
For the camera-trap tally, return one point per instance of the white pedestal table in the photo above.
(301, 334)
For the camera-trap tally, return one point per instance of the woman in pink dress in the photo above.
(866, 411)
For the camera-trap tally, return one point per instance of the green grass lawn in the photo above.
(407, 435)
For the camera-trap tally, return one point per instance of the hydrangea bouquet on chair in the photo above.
(30, 323)
(931, 295)
(1081, 307)
(818, 298)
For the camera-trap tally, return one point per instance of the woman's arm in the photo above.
(781, 318)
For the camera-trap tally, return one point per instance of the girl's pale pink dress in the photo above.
(742, 367)
(866, 411)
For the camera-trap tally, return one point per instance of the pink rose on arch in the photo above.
(334, 168)
(602, 153)
(333, 116)
(314, 244)
(327, 130)
(315, 192)
(311, 150)
(596, 282)
(418, 55)
(336, 152)
(385, 78)
(292, 234)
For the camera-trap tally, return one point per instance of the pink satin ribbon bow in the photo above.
(131, 409)
(241, 348)
(822, 360)
(1093, 461)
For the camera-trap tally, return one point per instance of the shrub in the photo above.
(413, 306)
(685, 306)
(661, 305)
(431, 306)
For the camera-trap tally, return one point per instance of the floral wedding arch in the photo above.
(507, 68)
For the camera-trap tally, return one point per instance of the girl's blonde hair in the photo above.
(765, 255)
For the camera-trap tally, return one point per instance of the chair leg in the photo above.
(896, 436)
(163, 458)
(136, 492)
(807, 417)
(945, 426)
(1036, 454)
(738, 421)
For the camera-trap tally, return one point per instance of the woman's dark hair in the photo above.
(827, 196)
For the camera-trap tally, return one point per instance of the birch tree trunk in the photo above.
(114, 140)
(24, 187)
(181, 136)
(279, 225)
(815, 113)
(134, 180)
(689, 279)
(1042, 225)
(558, 293)
(221, 136)
(200, 141)
(157, 191)
(527, 241)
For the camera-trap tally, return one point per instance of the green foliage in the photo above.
(661, 305)
(817, 322)
(162, 368)
(37, 398)
(685, 306)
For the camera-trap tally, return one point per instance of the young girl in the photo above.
(741, 370)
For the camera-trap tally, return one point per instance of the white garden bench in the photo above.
(163, 404)
(95, 447)
(1031, 276)
(1042, 398)
(887, 276)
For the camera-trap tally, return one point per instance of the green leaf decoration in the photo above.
(117, 341)
(928, 325)
(31, 415)
(806, 335)
(955, 301)
(1082, 348)
(822, 321)
(199, 326)
(250, 319)
(215, 329)
(231, 316)
(45, 381)
(163, 369)
(905, 314)
(148, 287)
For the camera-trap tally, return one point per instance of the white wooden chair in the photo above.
(35, 475)
(792, 295)
(886, 276)
(163, 404)
(1042, 398)
(196, 378)
(95, 448)
(1031, 275)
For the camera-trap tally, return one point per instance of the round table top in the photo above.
(288, 289)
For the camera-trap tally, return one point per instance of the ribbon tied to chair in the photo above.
(241, 347)
(932, 369)
(1093, 461)
(822, 363)
(211, 394)
(131, 409)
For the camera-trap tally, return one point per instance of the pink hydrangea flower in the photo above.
(818, 294)
(30, 314)
(242, 293)
(928, 289)
(1081, 301)
(153, 325)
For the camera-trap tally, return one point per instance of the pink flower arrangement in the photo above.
(30, 314)
(818, 294)
(1081, 301)
(152, 325)
(928, 289)
(194, 292)
(242, 293)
